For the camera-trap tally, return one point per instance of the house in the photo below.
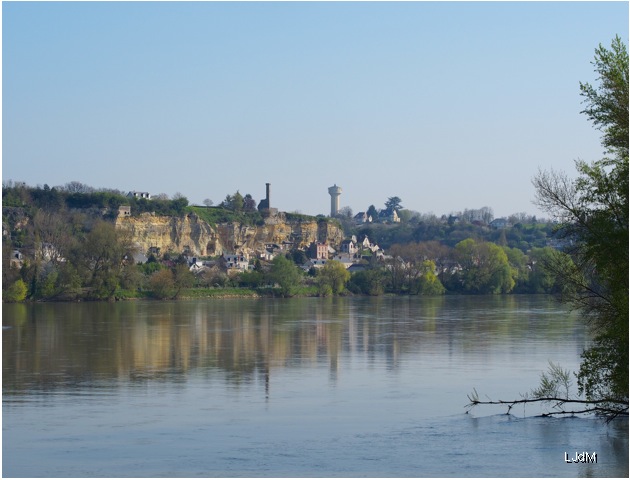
(362, 217)
(16, 259)
(349, 247)
(268, 254)
(346, 260)
(499, 223)
(314, 263)
(318, 251)
(124, 211)
(135, 194)
(236, 262)
(389, 216)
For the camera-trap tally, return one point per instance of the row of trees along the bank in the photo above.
(96, 262)
(60, 231)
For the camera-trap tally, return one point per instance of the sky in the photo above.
(446, 105)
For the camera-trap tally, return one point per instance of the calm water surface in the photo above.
(292, 388)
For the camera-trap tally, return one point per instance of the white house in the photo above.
(362, 217)
(135, 194)
(389, 216)
(349, 247)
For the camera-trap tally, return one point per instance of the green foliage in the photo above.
(333, 276)
(182, 278)
(554, 383)
(162, 284)
(607, 103)
(251, 279)
(484, 267)
(286, 274)
(217, 215)
(368, 282)
(592, 213)
(16, 292)
(234, 202)
(429, 283)
(393, 203)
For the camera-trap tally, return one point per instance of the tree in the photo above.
(77, 187)
(285, 273)
(208, 203)
(393, 203)
(334, 276)
(607, 105)
(592, 213)
(100, 258)
(369, 282)
(182, 278)
(249, 204)
(162, 284)
(372, 212)
(485, 267)
(234, 202)
(16, 292)
(429, 283)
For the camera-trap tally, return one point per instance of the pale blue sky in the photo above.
(446, 105)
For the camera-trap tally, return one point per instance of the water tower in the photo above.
(335, 192)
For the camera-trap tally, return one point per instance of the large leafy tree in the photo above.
(286, 274)
(393, 203)
(484, 267)
(333, 277)
(101, 258)
(592, 211)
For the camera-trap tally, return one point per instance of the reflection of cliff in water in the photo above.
(55, 346)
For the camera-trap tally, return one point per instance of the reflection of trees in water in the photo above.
(244, 340)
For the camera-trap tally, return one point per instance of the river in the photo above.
(307, 387)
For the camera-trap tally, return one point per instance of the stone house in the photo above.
(236, 262)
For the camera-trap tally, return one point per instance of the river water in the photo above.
(336, 387)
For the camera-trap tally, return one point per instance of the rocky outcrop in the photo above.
(189, 234)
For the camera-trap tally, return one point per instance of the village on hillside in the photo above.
(237, 240)
(355, 254)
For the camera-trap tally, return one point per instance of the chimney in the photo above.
(268, 198)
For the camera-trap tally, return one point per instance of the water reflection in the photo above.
(61, 346)
(298, 387)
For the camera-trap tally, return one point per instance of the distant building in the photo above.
(335, 193)
(236, 262)
(135, 194)
(264, 206)
(362, 217)
(499, 223)
(389, 216)
(349, 247)
(124, 211)
(318, 251)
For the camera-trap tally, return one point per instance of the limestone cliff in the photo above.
(192, 235)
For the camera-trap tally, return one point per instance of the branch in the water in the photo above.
(609, 407)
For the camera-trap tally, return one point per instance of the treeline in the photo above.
(75, 195)
(79, 257)
(60, 244)
(523, 236)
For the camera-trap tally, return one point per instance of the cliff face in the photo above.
(193, 235)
